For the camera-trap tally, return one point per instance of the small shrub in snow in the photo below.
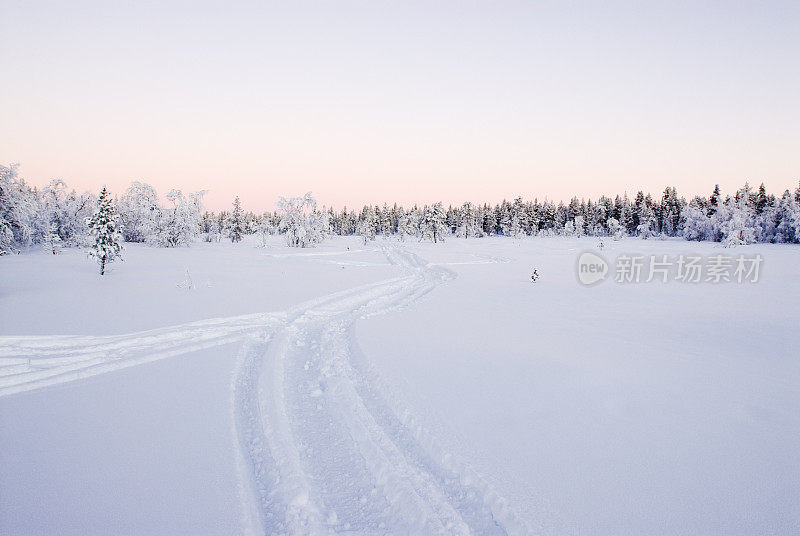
(187, 283)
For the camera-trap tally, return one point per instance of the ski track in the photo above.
(322, 446)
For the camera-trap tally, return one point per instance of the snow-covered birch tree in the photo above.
(303, 225)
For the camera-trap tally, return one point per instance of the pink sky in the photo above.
(408, 102)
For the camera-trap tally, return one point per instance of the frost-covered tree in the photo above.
(267, 225)
(696, 223)
(432, 226)
(52, 240)
(235, 227)
(787, 228)
(303, 225)
(103, 226)
(647, 222)
(615, 229)
(180, 223)
(578, 229)
(385, 221)
(736, 220)
(408, 225)
(366, 229)
(64, 212)
(714, 200)
(670, 212)
(139, 212)
(210, 227)
(468, 225)
(18, 211)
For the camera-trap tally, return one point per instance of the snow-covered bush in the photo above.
(303, 225)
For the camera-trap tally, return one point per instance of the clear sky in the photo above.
(379, 101)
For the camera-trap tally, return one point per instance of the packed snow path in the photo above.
(323, 447)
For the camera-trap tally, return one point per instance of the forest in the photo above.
(56, 216)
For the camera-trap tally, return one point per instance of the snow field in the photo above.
(314, 457)
(396, 388)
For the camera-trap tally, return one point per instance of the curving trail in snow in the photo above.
(323, 448)
(326, 450)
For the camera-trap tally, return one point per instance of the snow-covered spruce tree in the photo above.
(579, 226)
(139, 212)
(647, 222)
(103, 226)
(408, 224)
(210, 227)
(235, 228)
(615, 229)
(432, 226)
(303, 225)
(365, 228)
(385, 221)
(736, 220)
(787, 228)
(467, 226)
(714, 200)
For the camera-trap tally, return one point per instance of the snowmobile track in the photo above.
(322, 448)
(345, 457)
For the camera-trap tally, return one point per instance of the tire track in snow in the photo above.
(344, 458)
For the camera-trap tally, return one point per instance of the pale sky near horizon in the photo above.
(366, 102)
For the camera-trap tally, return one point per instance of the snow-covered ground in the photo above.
(403, 388)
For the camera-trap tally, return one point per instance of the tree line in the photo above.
(59, 217)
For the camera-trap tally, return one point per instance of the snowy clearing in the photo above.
(396, 388)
